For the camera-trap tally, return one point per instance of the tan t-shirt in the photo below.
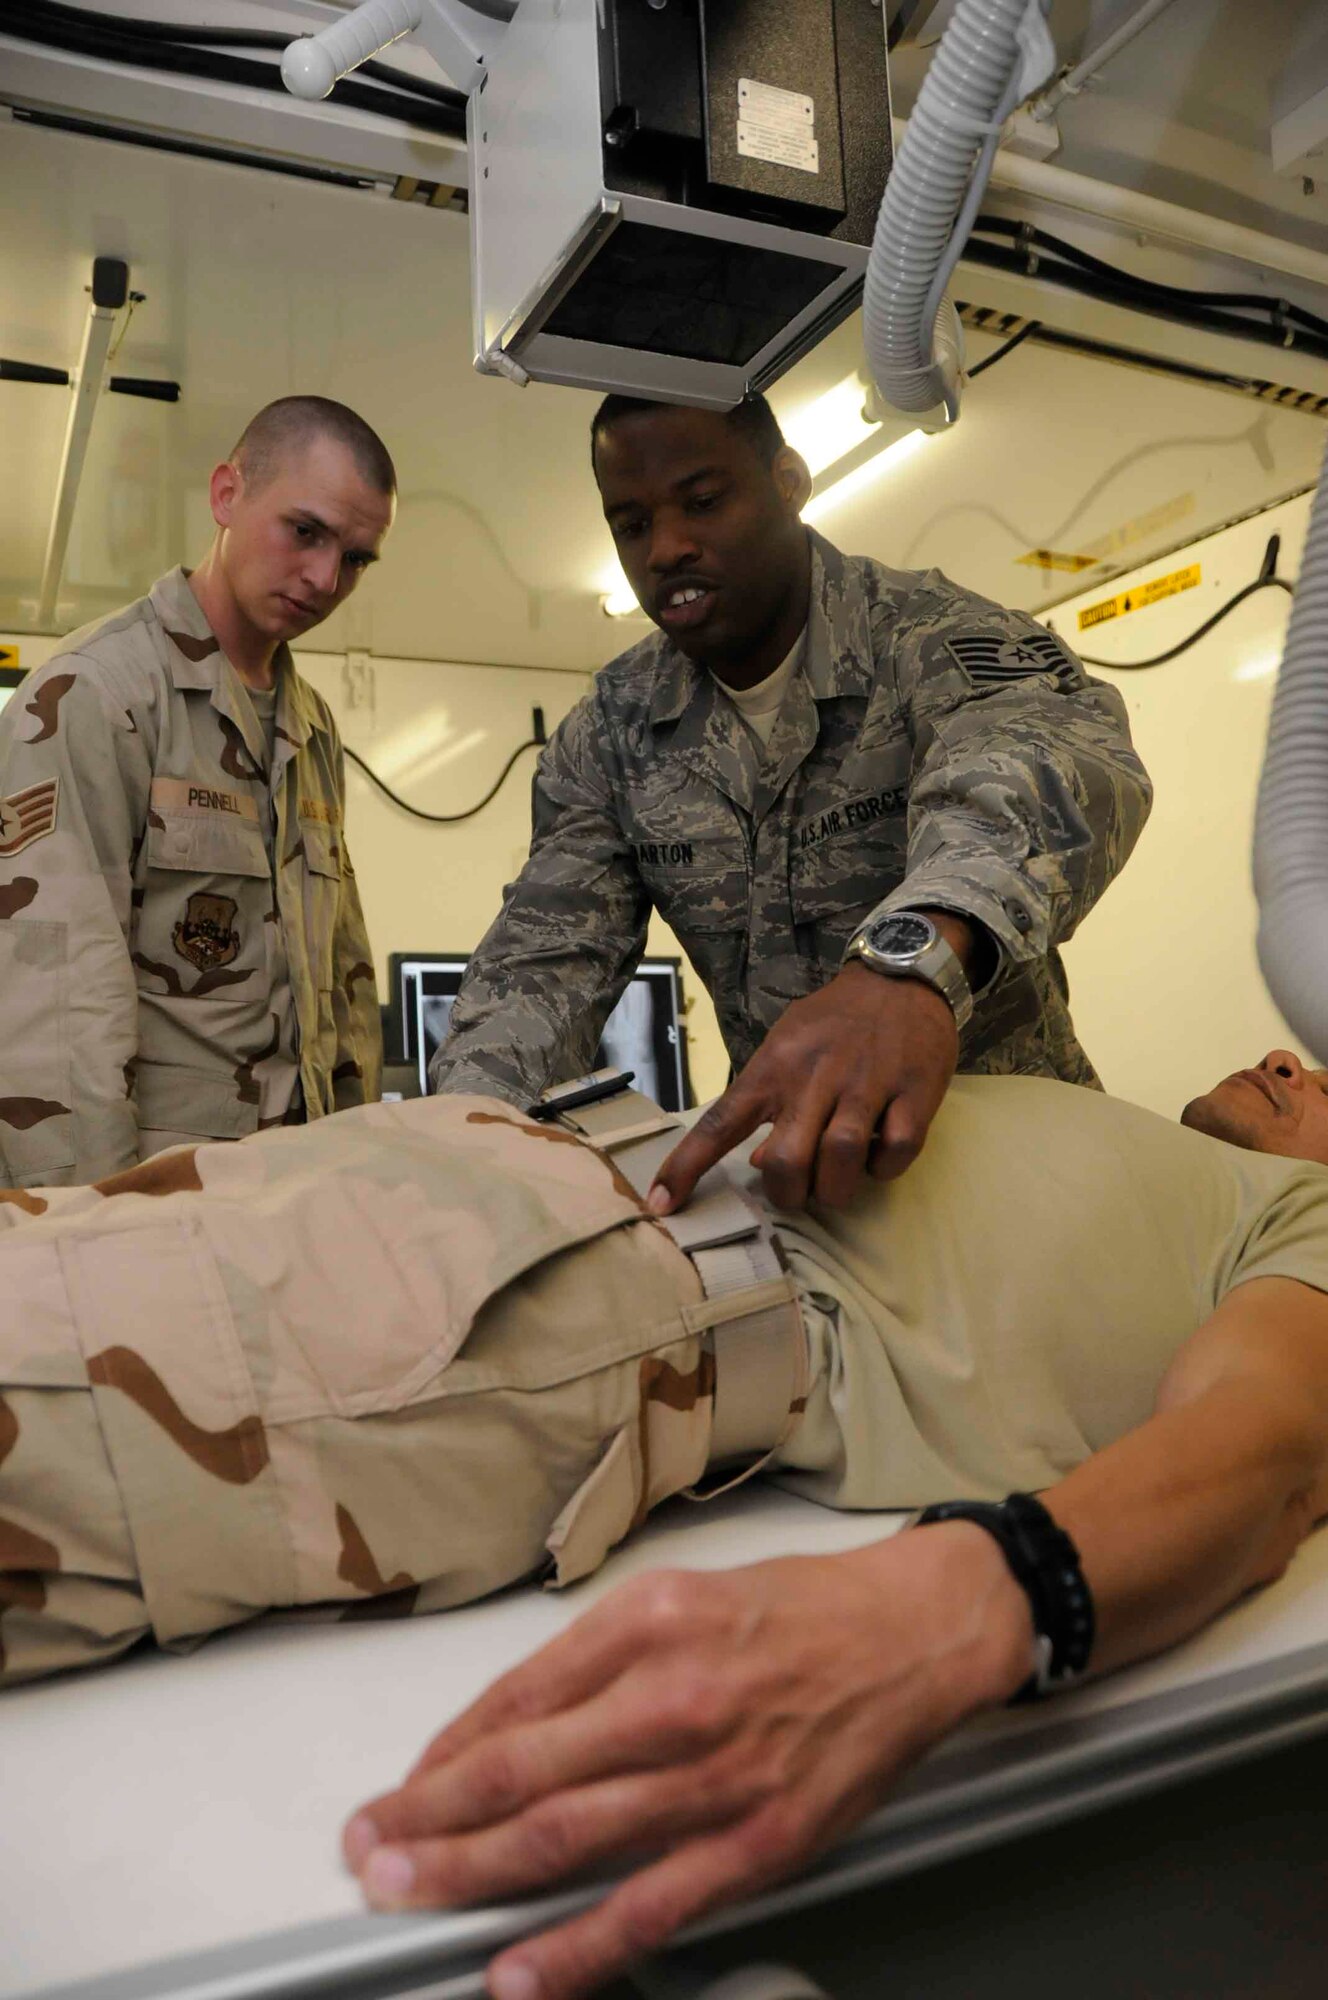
(759, 706)
(1011, 1304)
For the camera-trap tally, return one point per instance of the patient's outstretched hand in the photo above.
(718, 1729)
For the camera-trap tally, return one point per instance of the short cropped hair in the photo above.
(292, 422)
(753, 418)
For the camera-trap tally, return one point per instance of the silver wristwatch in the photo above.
(906, 945)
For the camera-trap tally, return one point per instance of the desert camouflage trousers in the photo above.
(383, 1364)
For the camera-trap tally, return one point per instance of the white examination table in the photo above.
(168, 1827)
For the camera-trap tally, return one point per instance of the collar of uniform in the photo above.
(194, 646)
(198, 661)
(715, 739)
(195, 652)
(838, 656)
(298, 712)
(675, 681)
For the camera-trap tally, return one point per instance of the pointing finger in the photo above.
(728, 1121)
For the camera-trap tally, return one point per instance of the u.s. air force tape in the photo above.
(991, 658)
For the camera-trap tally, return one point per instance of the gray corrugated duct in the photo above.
(1291, 824)
(992, 55)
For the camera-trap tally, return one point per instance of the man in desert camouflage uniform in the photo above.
(182, 951)
(283, 1381)
(400, 1358)
(408, 1355)
(414, 1353)
(811, 740)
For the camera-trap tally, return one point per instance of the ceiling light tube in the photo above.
(832, 427)
(852, 474)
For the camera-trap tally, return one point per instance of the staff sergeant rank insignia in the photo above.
(990, 659)
(206, 933)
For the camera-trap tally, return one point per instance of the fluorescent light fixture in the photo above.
(831, 427)
(857, 478)
(617, 599)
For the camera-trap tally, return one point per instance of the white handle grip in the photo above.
(310, 66)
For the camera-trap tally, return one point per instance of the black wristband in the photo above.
(1045, 1564)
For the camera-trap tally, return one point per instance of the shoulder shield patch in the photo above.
(27, 816)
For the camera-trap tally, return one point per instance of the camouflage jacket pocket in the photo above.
(693, 864)
(359, 1252)
(182, 1102)
(36, 1123)
(848, 839)
(207, 847)
(598, 1515)
(322, 850)
(206, 895)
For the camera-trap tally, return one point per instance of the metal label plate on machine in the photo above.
(777, 125)
(773, 133)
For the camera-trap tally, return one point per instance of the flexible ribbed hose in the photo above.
(1291, 824)
(961, 96)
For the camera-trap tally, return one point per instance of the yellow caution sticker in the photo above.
(1139, 598)
(8, 656)
(1056, 559)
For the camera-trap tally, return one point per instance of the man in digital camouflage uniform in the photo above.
(812, 739)
(182, 951)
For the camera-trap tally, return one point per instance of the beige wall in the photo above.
(1166, 988)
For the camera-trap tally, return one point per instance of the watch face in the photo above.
(901, 935)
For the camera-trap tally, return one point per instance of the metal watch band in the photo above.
(1045, 1564)
(938, 967)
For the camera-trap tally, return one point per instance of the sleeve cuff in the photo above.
(1016, 928)
(467, 1079)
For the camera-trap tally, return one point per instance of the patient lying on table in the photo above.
(408, 1355)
